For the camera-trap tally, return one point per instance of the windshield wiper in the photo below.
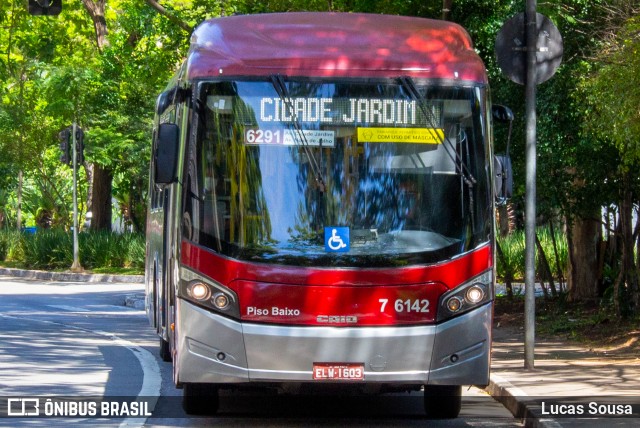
(281, 88)
(408, 85)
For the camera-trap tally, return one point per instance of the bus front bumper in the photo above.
(215, 349)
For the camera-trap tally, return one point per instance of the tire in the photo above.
(200, 399)
(165, 350)
(442, 401)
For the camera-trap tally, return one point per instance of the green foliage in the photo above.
(7, 243)
(106, 249)
(617, 74)
(53, 249)
(513, 249)
(48, 249)
(562, 248)
(511, 266)
(54, 74)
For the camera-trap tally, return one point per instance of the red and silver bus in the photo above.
(321, 209)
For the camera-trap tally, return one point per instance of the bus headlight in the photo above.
(476, 292)
(207, 293)
(198, 291)
(220, 301)
(454, 304)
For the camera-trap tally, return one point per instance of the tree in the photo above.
(616, 119)
(137, 52)
(71, 68)
(27, 128)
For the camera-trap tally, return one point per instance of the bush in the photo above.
(107, 249)
(563, 251)
(4, 247)
(52, 249)
(48, 249)
(10, 245)
(513, 249)
(512, 267)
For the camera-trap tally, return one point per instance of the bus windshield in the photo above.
(337, 173)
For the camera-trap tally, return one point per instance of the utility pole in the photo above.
(531, 30)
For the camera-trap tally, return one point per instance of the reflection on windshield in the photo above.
(392, 191)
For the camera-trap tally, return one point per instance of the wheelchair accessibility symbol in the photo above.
(336, 239)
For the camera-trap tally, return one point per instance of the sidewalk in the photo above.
(567, 379)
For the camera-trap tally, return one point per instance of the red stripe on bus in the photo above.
(450, 273)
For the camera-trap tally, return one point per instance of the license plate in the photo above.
(338, 371)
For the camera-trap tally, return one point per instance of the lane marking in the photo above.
(69, 308)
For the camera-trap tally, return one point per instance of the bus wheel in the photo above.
(442, 401)
(199, 398)
(165, 350)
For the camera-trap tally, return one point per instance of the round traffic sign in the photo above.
(511, 49)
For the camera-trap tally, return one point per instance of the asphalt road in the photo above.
(77, 345)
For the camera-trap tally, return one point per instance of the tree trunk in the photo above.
(100, 193)
(583, 239)
(545, 270)
(626, 286)
(101, 203)
(95, 8)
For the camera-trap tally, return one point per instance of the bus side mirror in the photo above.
(502, 113)
(503, 178)
(166, 153)
(163, 101)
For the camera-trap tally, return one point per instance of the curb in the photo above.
(70, 276)
(515, 401)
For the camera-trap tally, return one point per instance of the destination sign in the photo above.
(345, 111)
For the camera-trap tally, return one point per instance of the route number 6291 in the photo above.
(406, 305)
(260, 136)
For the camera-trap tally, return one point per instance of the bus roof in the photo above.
(324, 44)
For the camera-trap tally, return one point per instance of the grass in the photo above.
(118, 271)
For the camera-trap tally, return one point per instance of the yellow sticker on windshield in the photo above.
(401, 135)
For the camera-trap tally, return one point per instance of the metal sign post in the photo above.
(529, 50)
(530, 198)
(76, 267)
